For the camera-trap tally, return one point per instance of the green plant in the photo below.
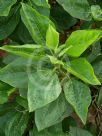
(44, 80)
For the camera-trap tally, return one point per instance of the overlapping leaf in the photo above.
(82, 69)
(77, 8)
(28, 50)
(17, 124)
(9, 23)
(5, 6)
(36, 23)
(43, 88)
(80, 40)
(78, 95)
(15, 73)
(58, 110)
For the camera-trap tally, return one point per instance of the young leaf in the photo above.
(80, 40)
(82, 69)
(43, 88)
(52, 38)
(36, 23)
(78, 95)
(5, 6)
(58, 110)
(75, 131)
(77, 8)
(54, 60)
(27, 50)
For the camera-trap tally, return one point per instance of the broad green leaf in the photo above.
(36, 23)
(5, 91)
(82, 69)
(78, 95)
(5, 6)
(52, 113)
(9, 23)
(99, 101)
(28, 50)
(17, 124)
(52, 38)
(75, 131)
(96, 12)
(43, 88)
(77, 8)
(52, 131)
(15, 73)
(80, 40)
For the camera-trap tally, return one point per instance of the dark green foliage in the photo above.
(50, 67)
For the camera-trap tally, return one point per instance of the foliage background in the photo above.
(25, 22)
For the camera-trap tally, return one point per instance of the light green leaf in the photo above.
(43, 88)
(96, 12)
(52, 38)
(75, 131)
(78, 95)
(64, 51)
(5, 6)
(15, 73)
(80, 40)
(17, 124)
(54, 60)
(77, 8)
(52, 113)
(82, 69)
(28, 50)
(36, 23)
(5, 91)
